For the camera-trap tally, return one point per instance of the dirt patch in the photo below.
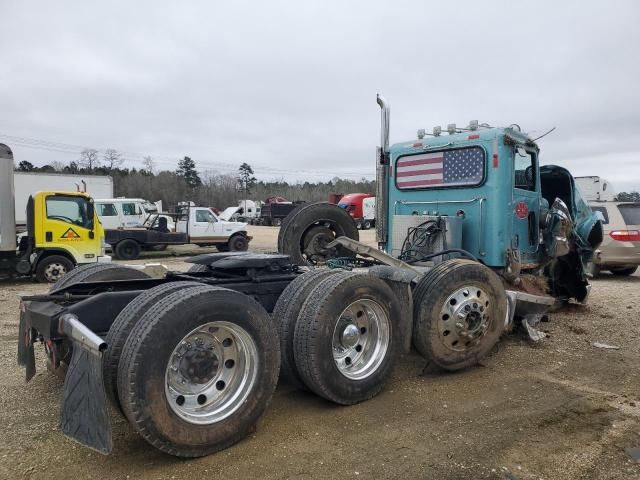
(563, 409)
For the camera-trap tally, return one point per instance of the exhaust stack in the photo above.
(7, 201)
(384, 124)
(382, 175)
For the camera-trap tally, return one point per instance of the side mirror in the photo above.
(91, 213)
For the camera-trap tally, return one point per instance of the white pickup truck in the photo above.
(193, 225)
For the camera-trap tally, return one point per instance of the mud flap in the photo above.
(84, 414)
(26, 352)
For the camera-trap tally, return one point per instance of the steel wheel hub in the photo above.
(211, 372)
(361, 339)
(464, 318)
(54, 271)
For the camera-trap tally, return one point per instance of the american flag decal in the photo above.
(451, 168)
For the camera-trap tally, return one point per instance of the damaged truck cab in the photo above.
(501, 206)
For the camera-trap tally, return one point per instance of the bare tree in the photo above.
(89, 158)
(57, 165)
(149, 164)
(112, 158)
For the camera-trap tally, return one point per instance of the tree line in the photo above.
(187, 183)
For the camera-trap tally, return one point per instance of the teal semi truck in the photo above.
(474, 237)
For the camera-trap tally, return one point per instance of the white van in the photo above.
(121, 212)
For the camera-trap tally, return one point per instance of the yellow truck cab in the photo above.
(63, 231)
(66, 232)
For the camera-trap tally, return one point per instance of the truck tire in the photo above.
(196, 267)
(285, 223)
(312, 228)
(95, 272)
(127, 249)
(52, 268)
(346, 339)
(121, 328)
(623, 272)
(198, 369)
(238, 243)
(286, 312)
(459, 313)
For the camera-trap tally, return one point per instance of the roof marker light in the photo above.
(421, 133)
(473, 125)
(451, 128)
(437, 131)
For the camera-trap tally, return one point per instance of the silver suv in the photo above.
(620, 249)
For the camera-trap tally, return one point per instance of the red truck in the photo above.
(361, 207)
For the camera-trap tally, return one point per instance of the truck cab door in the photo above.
(526, 204)
(109, 216)
(68, 223)
(203, 223)
(133, 214)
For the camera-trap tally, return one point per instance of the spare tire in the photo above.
(306, 235)
(285, 224)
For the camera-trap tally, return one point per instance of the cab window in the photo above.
(74, 210)
(524, 170)
(130, 209)
(204, 216)
(456, 167)
(106, 210)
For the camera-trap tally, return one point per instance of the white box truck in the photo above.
(595, 188)
(28, 183)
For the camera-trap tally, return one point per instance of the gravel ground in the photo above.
(560, 410)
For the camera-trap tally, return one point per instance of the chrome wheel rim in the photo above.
(211, 372)
(465, 318)
(54, 271)
(361, 339)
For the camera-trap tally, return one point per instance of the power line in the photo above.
(41, 144)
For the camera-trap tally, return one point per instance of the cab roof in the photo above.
(463, 138)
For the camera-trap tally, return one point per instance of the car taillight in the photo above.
(625, 235)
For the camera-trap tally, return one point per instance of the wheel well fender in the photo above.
(42, 254)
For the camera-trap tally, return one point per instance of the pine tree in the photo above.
(246, 180)
(187, 170)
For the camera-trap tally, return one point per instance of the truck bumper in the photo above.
(84, 414)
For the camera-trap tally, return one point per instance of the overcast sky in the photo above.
(289, 87)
